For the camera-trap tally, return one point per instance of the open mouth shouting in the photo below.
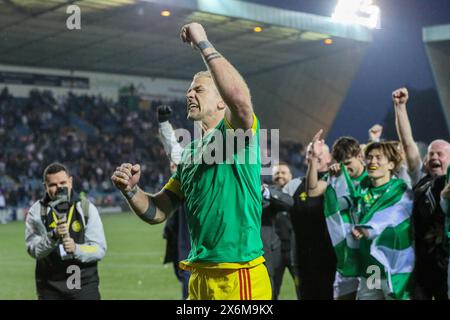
(192, 106)
(435, 166)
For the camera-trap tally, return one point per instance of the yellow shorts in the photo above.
(251, 283)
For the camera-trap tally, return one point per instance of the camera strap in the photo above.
(85, 208)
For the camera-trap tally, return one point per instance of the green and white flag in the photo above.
(390, 241)
(340, 224)
(388, 221)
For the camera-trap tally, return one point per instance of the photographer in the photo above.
(65, 235)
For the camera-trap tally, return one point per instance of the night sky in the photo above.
(395, 58)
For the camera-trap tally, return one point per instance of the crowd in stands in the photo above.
(91, 135)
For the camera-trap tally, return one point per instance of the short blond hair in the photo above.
(207, 74)
(204, 74)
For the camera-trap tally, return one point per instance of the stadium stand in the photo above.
(90, 134)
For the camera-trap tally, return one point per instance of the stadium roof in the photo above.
(437, 44)
(296, 80)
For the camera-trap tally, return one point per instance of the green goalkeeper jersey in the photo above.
(223, 200)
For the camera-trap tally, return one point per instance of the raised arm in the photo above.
(375, 133)
(167, 134)
(400, 98)
(315, 186)
(232, 87)
(152, 209)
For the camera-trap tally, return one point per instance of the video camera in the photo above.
(61, 203)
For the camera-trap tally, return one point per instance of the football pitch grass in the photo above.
(131, 269)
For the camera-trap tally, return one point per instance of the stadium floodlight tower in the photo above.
(362, 12)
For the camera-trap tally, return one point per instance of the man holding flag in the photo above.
(384, 226)
(346, 151)
(370, 227)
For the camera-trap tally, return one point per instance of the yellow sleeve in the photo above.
(173, 185)
(254, 125)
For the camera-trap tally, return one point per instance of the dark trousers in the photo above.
(317, 285)
(51, 294)
(283, 263)
(273, 260)
(429, 281)
(316, 277)
(182, 276)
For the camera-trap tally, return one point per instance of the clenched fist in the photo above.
(375, 132)
(193, 33)
(400, 96)
(126, 176)
(359, 233)
(164, 113)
